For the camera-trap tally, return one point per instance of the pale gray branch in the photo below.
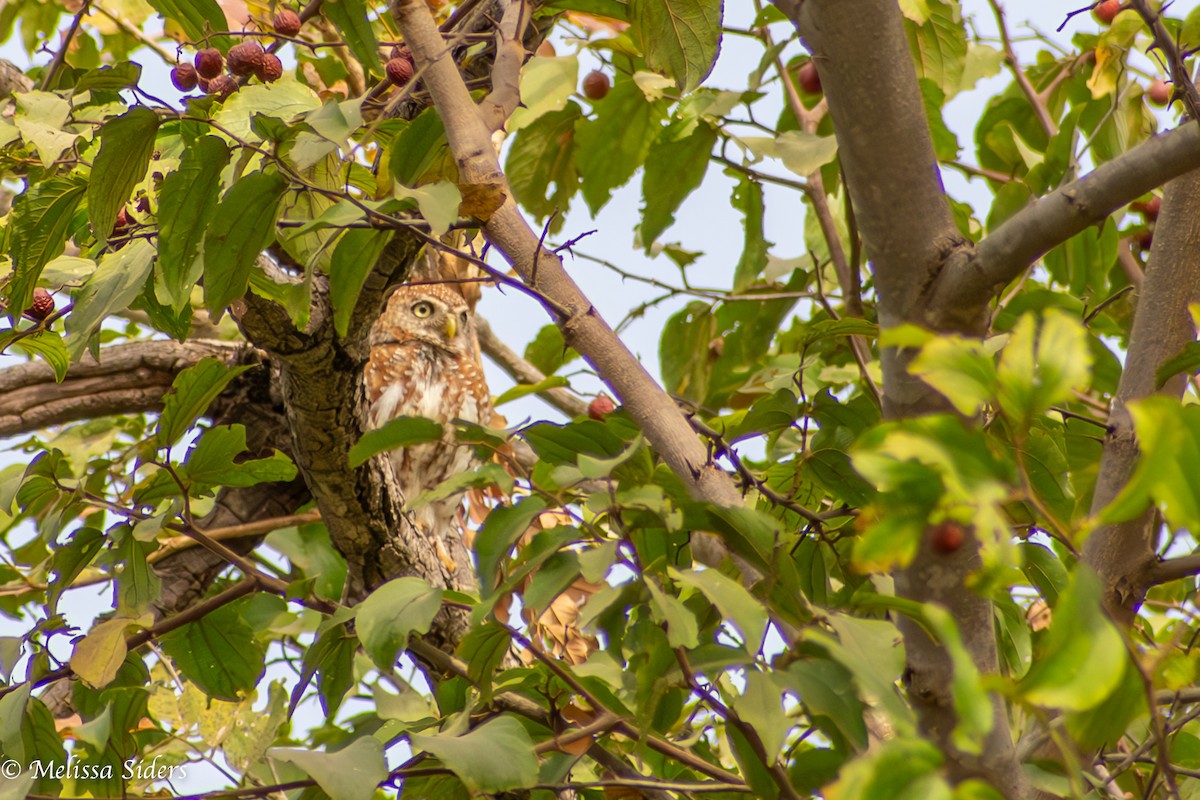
(665, 427)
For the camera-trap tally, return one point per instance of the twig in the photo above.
(60, 55)
(523, 372)
(1031, 94)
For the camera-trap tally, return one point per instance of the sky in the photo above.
(706, 222)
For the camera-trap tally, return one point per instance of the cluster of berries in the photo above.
(207, 69)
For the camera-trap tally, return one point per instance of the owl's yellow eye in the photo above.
(422, 309)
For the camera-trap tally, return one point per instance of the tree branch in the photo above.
(523, 372)
(1123, 553)
(1048, 222)
(128, 379)
(653, 410)
(910, 236)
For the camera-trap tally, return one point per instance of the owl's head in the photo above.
(430, 313)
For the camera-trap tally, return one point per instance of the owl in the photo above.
(423, 363)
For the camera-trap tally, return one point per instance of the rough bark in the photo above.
(129, 379)
(1123, 554)
(909, 234)
(321, 384)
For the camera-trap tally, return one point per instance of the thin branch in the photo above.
(523, 372)
(1046, 223)
(508, 231)
(60, 55)
(1035, 99)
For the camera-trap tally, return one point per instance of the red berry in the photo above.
(546, 49)
(1159, 92)
(808, 78)
(947, 537)
(596, 85)
(223, 86)
(42, 305)
(209, 63)
(1144, 239)
(245, 58)
(184, 77)
(271, 69)
(1149, 209)
(601, 407)
(123, 221)
(399, 70)
(286, 22)
(1107, 11)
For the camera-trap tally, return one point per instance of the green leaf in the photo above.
(350, 20)
(526, 389)
(219, 653)
(397, 433)
(351, 773)
(680, 38)
(243, 225)
(825, 689)
(1083, 657)
(37, 233)
(682, 627)
(495, 757)
(417, 149)
(613, 145)
(1168, 436)
(761, 706)
(49, 346)
(939, 45)
(496, 537)
(391, 614)
(960, 368)
(867, 648)
(675, 167)
(191, 393)
(541, 165)
(353, 259)
(801, 152)
(126, 144)
(733, 601)
(1187, 360)
(214, 461)
(99, 655)
(1044, 570)
(748, 198)
(186, 205)
(546, 86)
(118, 76)
(198, 18)
(1039, 369)
(116, 283)
(683, 351)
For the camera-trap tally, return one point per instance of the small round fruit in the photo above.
(1107, 11)
(286, 22)
(601, 407)
(1144, 239)
(245, 58)
(546, 50)
(271, 69)
(185, 77)
(1159, 92)
(209, 62)
(808, 78)
(122, 222)
(1148, 209)
(947, 537)
(42, 305)
(596, 85)
(222, 86)
(399, 70)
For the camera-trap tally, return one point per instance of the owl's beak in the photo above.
(451, 327)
